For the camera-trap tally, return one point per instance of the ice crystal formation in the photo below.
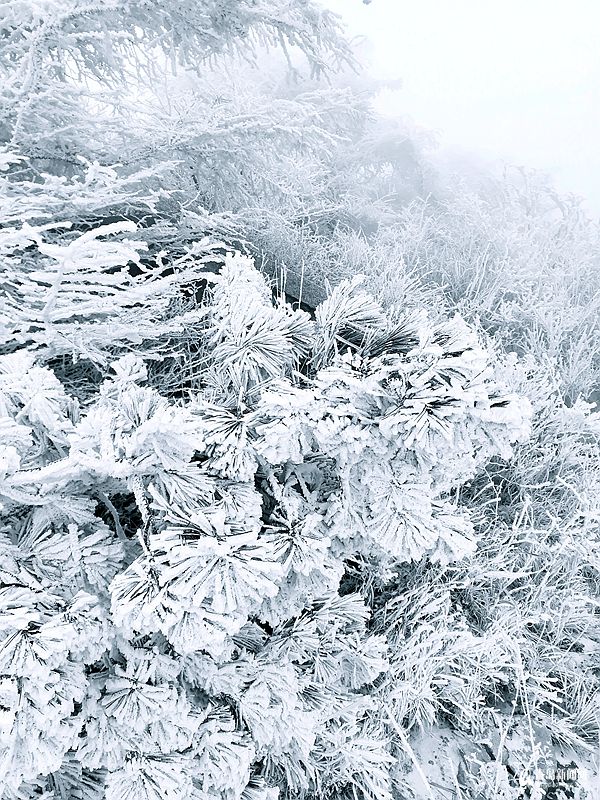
(177, 617)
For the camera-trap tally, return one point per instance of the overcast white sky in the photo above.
(514, 80)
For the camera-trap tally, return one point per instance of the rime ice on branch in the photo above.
(177, 574)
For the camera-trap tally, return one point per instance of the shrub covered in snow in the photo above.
(181, 614)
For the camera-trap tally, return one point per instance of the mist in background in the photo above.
(498, 82)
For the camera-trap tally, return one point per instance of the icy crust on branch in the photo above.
(63, 60)
(171, 622)
(83, 295)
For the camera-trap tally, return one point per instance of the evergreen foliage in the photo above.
(201, 637)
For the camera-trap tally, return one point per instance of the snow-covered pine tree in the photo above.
(181, 612)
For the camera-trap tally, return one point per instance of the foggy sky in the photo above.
(515, 81)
